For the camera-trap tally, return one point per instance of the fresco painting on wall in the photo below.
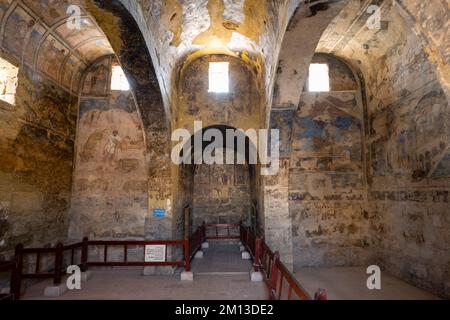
(111, 142)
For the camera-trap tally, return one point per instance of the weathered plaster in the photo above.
(37, 137)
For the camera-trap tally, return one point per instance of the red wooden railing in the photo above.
(223, 231)
(252, 244)
(280, 281)
(59, 253)
(125, 245)
(282, 284)
(196, 240)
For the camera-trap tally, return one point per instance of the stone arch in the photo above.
(299, 45)
(239, 185)
(155, 185)
(131, 49)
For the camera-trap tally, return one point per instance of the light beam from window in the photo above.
(219, 81)
(119, 81)
(319, 78)
(8, 81)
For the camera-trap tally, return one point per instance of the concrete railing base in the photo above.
(256, 276)
(246, 256)
(187, 276)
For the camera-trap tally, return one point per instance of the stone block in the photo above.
(187, 276)
(242, 248)
(199, 255)
(246, 256)
(55, 291)
(256, 276)
(205, 245)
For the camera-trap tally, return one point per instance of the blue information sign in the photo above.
(159, 213)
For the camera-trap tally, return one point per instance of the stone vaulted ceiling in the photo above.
(178, 31)
(36, 34)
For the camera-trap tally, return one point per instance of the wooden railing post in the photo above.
(58, 263)
(187, 217)
(187, 256)
(257, 262)
(274, 276)
(247, 235)
(84, 254)
(203, 232)
(321, 294)
(241, 231)
(16, 276)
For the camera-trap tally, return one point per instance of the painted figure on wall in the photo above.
(112, 149)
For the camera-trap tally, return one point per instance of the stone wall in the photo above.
(410, 165)
(327, 190)
(36, 145)
(240, 108)
(110, 177)
(406, 134)
(222, 194)
(134, 56)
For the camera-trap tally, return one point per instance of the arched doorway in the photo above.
(220, 194)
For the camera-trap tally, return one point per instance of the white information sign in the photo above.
(155, 253)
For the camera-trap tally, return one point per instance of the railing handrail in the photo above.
(134, 242)
(224, 225)
(293, 282)
(59, 250)
(268, 262)
(195, 242)
(257, 247)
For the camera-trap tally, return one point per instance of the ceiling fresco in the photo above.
(37, 34)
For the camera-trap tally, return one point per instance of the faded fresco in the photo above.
(222, 194)
(37, 136)
(110, 183)
(327, 194)
(406, 139)
(409, 168)
(365, 168)
(63, 54)
(240, 108)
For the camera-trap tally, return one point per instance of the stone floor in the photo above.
(223, 275)
(349, 283)
(131, 285)
(221, 258)
(220, 275)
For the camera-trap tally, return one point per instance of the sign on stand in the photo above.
(155, 253)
